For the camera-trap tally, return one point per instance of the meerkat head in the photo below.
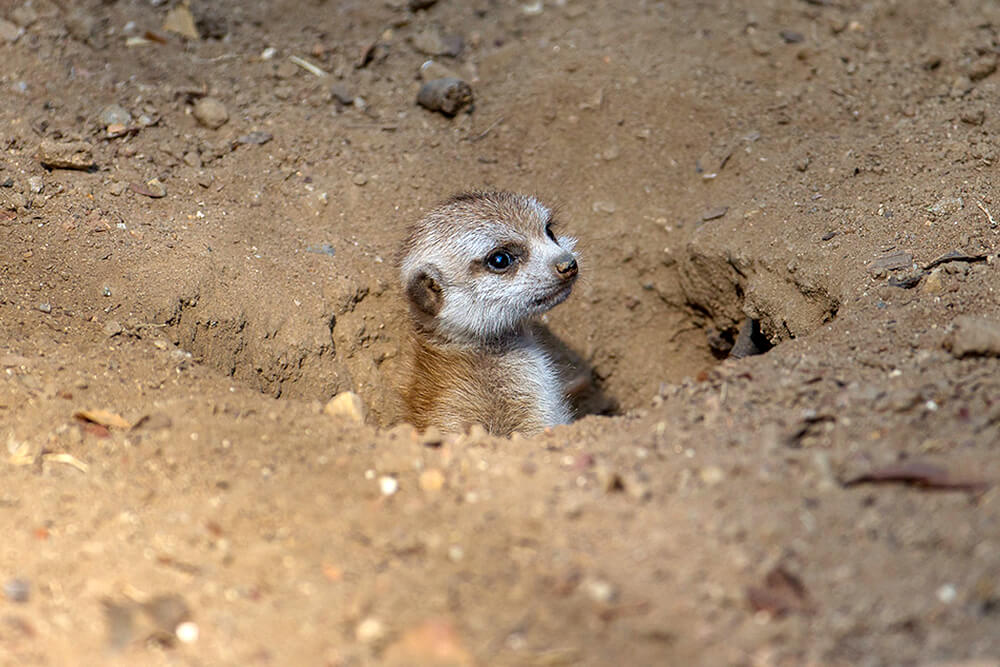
(480, 265)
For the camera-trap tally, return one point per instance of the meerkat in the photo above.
(477, 272)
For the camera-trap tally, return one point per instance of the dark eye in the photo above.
(499, 260)
(549, 233)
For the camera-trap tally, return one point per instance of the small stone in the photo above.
(348, 405)
(359, 179)
(36, 185)
(946, 594)
(388, 485)
(432, 41)
(448, 95)
(416, 5)
(81, 24)
(255, 138)
(933, 284)
(25, 15)
(974, 337)
(369, 630)
(114, 114)
(600, 590)
(45, 307)
(17, 589)
(982, 67)
(946, 206)
(342, 94)
(607, 207)
(431, 480)
(211, 113)
(112, 329)
(154, 188)
(891, 262)
(65, 155)
(792, 37)
(960, 87)
(187, 632)
(712, 475)
(192, 159)
(10, 32)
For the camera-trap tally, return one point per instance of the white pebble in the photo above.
(388, 485)
(947, 594)
(187, 632)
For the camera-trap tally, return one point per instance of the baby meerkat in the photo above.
(477, 271)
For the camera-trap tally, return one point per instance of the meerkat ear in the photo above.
(424, 290)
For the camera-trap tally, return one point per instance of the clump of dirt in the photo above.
(200, 209)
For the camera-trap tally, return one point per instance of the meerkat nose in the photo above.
(567, 267)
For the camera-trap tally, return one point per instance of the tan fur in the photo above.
(476, 358)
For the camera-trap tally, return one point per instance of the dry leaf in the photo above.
(102, 417)
(919, 473)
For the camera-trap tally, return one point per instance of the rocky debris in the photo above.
(448, 95)
(161, 619)
(891, 262)
(9, 32)
(17, 589)
(211, 113)
(981, 67)
(179, 20)
(433, 41)
(153, 188)
(114, 114)
(65, 155)
(346, 405)
(255, 138)
(974, 337)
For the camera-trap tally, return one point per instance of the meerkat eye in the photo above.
(499, 260)
(550, 233)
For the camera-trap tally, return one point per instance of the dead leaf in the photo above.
(919, 473)
(102, 417)
(781, 594)
(180, 20)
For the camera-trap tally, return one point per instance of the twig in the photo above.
(482, 135)
(982, 207)
(307, 66)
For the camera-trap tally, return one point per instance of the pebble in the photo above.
(607, 207)
(17, 589)
(712, 475)
(10, 32)
(65, 155)
(388, 485)
(982, 67)
(114, 114)
(369, 630)
(36, 184)
(933, 284)
(359, 179)
(447, 95)
(342, 94)
(187, 632)
(45, 307)
(974, 337)
(600, 590)
(947, 206)
(431, 480)
(211, 113)
(112, 329)
(346, 404)
(432, 41)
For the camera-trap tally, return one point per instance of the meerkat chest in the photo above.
(539, 384)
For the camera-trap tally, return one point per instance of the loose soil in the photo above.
(802, 164)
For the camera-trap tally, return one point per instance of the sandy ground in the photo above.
(174, 318)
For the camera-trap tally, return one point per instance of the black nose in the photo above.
(567, 268)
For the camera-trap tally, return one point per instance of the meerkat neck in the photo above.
(513, 339)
